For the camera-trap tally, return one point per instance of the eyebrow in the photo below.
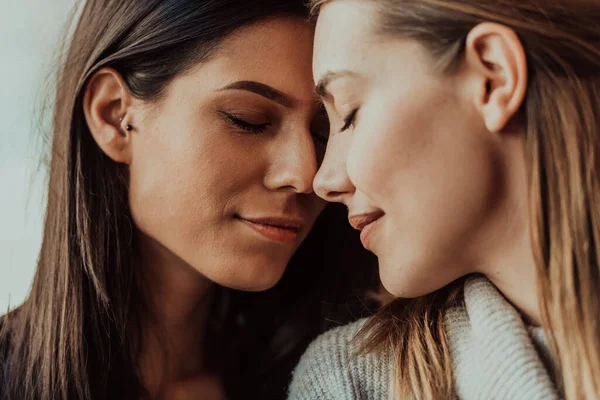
(264, 91)
(329, 77)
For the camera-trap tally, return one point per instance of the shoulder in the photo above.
(331, 369)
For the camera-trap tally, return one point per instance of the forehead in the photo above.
(276, 52)
(344, 36)
(274, 37)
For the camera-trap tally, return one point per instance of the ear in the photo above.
(106, 103)
(496, 56)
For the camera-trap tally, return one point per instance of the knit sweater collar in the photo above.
(494, 354)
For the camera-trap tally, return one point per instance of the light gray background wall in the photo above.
(29, 35)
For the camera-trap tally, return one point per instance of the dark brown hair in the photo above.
(562, 117)
(76, 336)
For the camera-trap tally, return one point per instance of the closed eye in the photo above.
(349, 120)
(245, 125)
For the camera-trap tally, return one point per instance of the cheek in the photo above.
(177, 178)
(388, 140)
(421, 152)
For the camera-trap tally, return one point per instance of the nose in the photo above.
(294, 163)
(332, 182)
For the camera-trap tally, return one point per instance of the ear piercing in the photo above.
(128, 127)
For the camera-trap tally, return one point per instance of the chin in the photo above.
(406, 290)
(253, 285)
(254, 278)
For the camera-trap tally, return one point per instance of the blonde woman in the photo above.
(465, 143)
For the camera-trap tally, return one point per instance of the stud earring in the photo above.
(128, 127)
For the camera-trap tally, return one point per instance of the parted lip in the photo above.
(282, 222)
(359, 221)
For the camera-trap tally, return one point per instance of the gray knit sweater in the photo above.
(494, 356)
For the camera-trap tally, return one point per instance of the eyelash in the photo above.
(349, 120)
(244, 125)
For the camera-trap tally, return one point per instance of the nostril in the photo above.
(334, 196)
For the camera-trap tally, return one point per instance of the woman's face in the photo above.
(407, 153)
(222, 167)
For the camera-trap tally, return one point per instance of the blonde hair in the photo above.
(562, 112)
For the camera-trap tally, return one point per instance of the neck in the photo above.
(179, 298)
(515, 278)
(509, 261)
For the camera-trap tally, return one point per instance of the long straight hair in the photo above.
(77, 335)
(562, 112)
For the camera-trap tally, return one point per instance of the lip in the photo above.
(284, 230)
(366, 224)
